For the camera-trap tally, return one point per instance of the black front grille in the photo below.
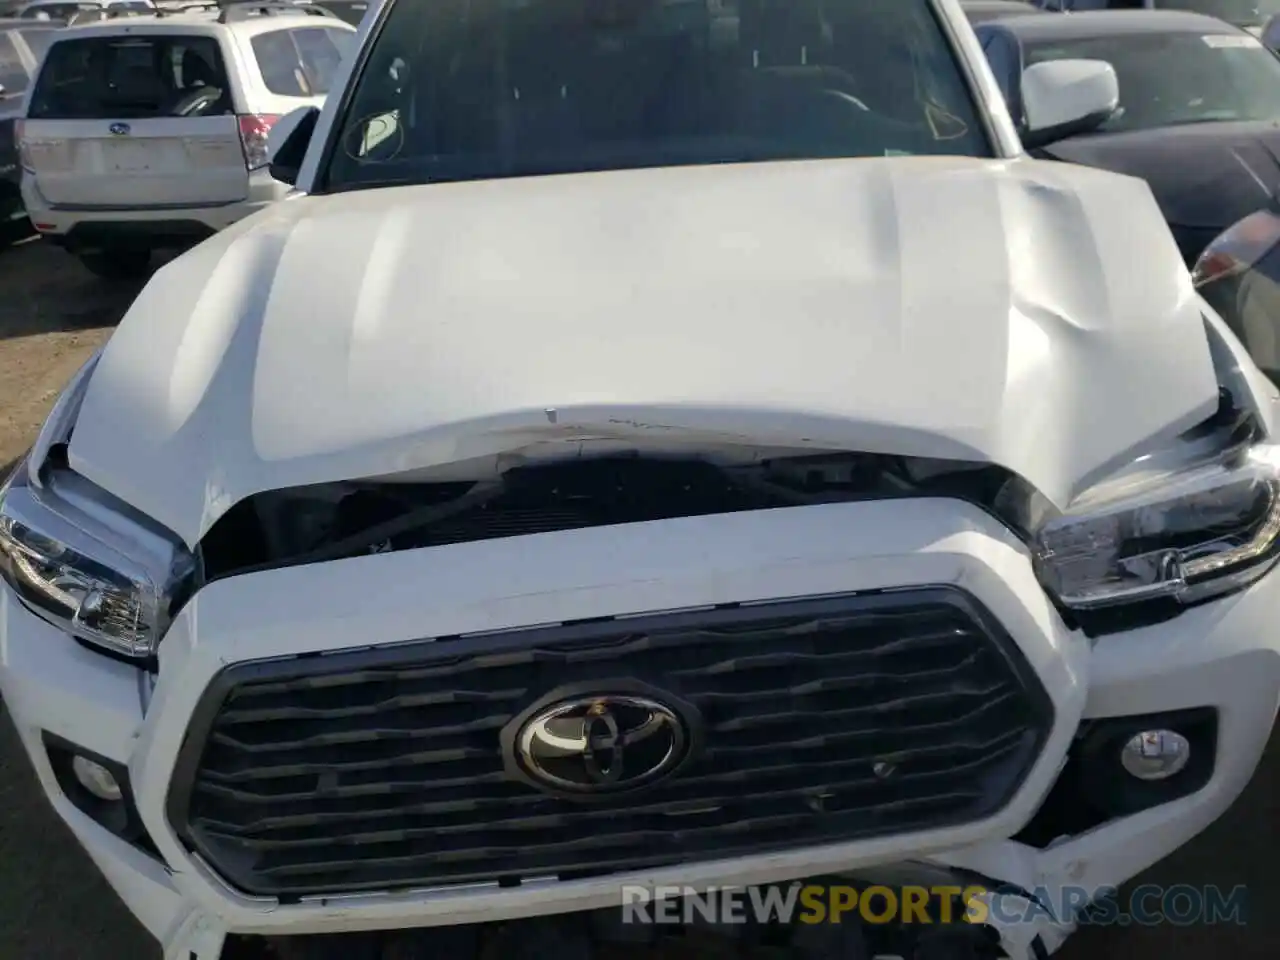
(821, 720)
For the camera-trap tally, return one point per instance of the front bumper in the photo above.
(1223, 655)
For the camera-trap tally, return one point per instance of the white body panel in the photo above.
(1225, 655)
(825, 304)
(162, 162)
(1034, 315)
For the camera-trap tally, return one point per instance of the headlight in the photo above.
(81, 559)
(89, 565)
(1190, 534)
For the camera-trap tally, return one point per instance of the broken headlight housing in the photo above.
(1189, 533)
(82, 560)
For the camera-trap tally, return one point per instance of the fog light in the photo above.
(97, 779)
(1155, 754)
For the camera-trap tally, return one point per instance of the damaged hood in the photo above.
(1031, 314)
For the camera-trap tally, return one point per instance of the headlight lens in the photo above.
(1197, 532)
(88, 564)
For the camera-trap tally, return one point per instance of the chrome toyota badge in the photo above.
(120, 129)
(600, 743)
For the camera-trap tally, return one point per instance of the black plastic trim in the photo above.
(108, 234)
(1092, 789)
(60, 752)
(417, 652)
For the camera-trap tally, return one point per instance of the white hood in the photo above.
(1031, 314)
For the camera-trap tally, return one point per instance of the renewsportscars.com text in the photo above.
(1147, 905)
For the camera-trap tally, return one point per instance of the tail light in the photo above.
(1238, 248)
(254, 130)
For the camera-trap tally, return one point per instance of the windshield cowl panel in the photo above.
(455, 90)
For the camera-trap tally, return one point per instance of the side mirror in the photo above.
(288, 141)
(1271, 34)
(1063, 98)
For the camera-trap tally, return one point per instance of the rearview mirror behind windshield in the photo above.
(1064, 98)
(375, 139)
(288, 141)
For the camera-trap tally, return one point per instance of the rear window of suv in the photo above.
(300, 62)
(132, 77)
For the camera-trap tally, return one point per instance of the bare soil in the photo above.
(56, 907)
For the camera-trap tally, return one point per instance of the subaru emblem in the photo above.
(120, 129)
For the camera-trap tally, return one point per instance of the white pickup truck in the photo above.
(658, 446)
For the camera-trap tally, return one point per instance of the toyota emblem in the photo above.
(601, 743)
(120, 129)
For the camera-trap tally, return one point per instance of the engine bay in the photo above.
(352, 518)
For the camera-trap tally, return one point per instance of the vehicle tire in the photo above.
(118, 264)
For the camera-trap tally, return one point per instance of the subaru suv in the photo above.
(661, 445)
(149, 132)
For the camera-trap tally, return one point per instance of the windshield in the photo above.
(1177, 78)
(1244, 13)
(472, 89)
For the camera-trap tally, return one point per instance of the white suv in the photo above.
(662, 445)
(150, 132)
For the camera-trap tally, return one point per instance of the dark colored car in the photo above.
(1270, 35)
(980, 11)
(1239, 275)
(1199, 114)
(1249, 14)
(22, 43)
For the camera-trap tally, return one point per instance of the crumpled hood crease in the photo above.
(1030, 314)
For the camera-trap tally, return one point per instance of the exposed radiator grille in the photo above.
(808, 722)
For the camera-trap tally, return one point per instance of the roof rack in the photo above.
(197, 6)
(105, 13)
(237, 10)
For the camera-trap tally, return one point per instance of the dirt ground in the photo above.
(56, 907)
